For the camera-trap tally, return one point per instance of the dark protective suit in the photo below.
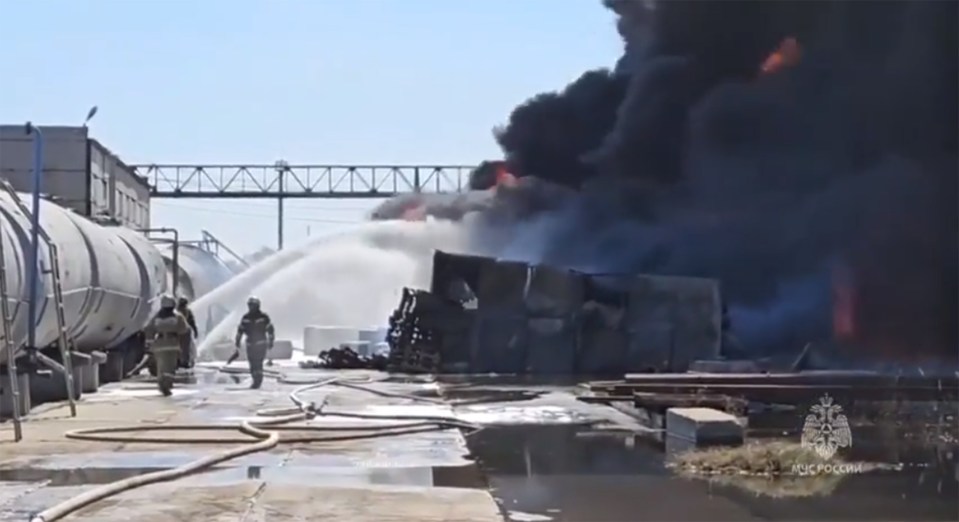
(163, 335)
(186, 341)
(258, 329)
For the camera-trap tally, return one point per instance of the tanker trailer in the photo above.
(111, 279)
(200, 273)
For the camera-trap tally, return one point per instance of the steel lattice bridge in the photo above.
(280, 181)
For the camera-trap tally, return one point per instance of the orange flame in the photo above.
(844, 304)
(504, 177)
(414, 213)
(786, 55)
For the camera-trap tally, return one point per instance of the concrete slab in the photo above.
(398, 477)
(259, 501)
(701, 427)
(543, 465)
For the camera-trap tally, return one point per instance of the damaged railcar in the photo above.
(483, 315)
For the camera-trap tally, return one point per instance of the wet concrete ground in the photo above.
(569, 473)
(542, 456)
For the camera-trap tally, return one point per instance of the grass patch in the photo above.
(782, 487)
(762, 468)
(767, 458)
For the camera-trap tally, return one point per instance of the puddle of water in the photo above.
(424, 477)
(401, 410)
(519, 516)
(206, 378)
(488, 395)
(157, 460)
(434, 449)
(108, 394)
(467, 476)
(497, 414)
(72, 477)
(558, 472)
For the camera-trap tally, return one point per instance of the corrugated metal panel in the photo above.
(547, 320)
(503, 285)
(551, 346)
(602, 341)
(499, 342)
(554, 292)
(672, 321)
(451, 272)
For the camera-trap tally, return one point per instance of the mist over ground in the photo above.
(353, 279)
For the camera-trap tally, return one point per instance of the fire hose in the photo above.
(265, 433)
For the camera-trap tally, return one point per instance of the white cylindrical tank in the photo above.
(200, 271)
(153, 275)
(360, 347)
(317, 339)
(373, 335)
(111, 277)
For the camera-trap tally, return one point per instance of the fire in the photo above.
(414, 213)
(786, 55)
(844, 304)
(504, 177)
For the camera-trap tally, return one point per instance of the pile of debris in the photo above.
(485, 315)
(346, 358)
(423, 327)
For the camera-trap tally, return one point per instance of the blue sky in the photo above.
(321, 81)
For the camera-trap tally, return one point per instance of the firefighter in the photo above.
(163, 336)
(186, 341)
(258, 329)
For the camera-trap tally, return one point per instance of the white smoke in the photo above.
(351, 279)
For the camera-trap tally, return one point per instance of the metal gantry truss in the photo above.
(283, 180)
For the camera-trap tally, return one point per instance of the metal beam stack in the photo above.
(413, 347)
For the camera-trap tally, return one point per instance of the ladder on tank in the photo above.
(54, 271)
(13, 391)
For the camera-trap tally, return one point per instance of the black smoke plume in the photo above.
(685, 159)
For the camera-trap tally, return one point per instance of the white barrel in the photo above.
(373, 335)
(381, 349)
(111, 278)
(360, 347)
(318, 339)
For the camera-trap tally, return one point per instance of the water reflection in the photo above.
(571, 474)
(421, 476)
